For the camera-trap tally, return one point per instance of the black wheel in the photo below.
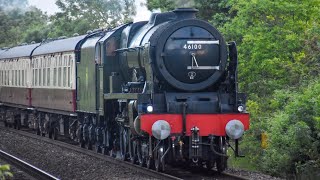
(132, 154)
(209, 165)
(89, 145)
(15, 124)
(18, 124)
(38, 131)
(149, 162)
(55, 133)
(105, 151)
(159, 162)
(5, 124)
(50, 133)
(98, 148)
(132, 151)
(82, 143)
(141, 160)
(123, 144)
(221, 161)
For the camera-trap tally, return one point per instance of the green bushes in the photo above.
(294, 134)
(5, 172)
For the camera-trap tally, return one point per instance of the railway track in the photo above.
(26, 167)
(172, 174)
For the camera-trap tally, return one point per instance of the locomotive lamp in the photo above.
(161, 129)
(150, 109)
(234, 129)
(240, 108)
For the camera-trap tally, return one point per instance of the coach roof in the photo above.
(18, 51)
(2, 50)
(59, 45)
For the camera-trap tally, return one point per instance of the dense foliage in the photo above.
(279, 52)
(215, 11)
(79, 16)
(20, 23)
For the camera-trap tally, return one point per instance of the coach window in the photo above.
(54, 76)
(10, 78)
(36, 73)
(25, 76)
(13, 78)
(59, 76)
(5, 74)
(69, 71)
(48, 70)
(19, 73)
(0, 77)
(7, 77)
(4, 77)
(19, 78)
(22, 77)
(59, 71)
(40, 71)
(64, 76)
(36, 77)
(45, 72)
(44, 76)
(33, 73)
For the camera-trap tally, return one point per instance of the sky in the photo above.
(50, 7)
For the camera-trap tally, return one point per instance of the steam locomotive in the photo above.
(155, 92)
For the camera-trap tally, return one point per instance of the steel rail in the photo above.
(26, 167)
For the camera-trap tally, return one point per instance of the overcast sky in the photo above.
(50, 7)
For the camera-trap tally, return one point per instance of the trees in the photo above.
(79, 16)
(22, 25)
(294, 132)
(215, 11)
(13, 4)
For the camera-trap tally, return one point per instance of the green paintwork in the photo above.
(87, 78)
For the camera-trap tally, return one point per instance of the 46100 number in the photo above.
(192, 46)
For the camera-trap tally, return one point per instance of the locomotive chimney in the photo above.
(152, 18)
(185, 13)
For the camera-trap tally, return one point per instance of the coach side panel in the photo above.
(14, 89)
(53, 82)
